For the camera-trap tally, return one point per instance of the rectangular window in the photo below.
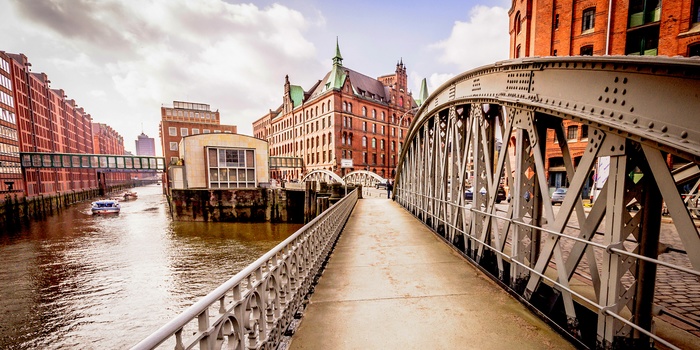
(183, 132)
(173, 146)
(206, 131)
(195, 131)
(172, 131)
(231, 167)
(588, 20)
(586, 50)
(584, 131)
(572, 132)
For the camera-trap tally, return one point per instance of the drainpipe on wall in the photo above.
(607, 33)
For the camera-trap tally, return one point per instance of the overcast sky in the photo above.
(122, 60)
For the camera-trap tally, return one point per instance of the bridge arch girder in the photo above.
(323, 175)
(363, 177)
(489, 128)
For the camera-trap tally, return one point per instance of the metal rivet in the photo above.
(664, 129)
(617, 79)
(606, 89)
(684, 134)
(651, 125)
(614, 101)
(624, 81)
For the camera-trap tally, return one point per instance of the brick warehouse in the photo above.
(345, 115)
(41, 119)
(598, 27)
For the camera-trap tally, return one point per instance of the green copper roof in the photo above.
(338, 59)
(423, 94)
(297, 94)
(337, 76)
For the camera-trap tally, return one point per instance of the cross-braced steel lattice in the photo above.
(476, 169)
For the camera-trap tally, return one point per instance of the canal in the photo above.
(76, 280)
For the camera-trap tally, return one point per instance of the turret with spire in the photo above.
(337, 76)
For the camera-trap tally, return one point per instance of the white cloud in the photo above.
(481, 40)
(122, 60)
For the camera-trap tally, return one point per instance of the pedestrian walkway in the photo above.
(392, 284)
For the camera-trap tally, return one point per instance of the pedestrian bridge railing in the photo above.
(254, 308)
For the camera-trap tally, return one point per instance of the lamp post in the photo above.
(398, 137)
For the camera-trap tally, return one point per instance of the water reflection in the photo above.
(82, 281)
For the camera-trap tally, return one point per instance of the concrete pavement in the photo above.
(392, 284)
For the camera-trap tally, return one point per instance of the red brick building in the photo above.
(602, 27)
(36, 118)
(599, 27)
(346, 115)
(108, 141)
(10, 170)
(187, 118)
(48, 122)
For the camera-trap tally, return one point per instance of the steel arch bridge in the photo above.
(322, 175)
(363, 177)
(640, 113)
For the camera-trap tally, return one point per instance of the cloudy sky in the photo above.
(123, 59)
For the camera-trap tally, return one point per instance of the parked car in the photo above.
(381, 185)
(469, 194)
(500, 194)
(558, 195)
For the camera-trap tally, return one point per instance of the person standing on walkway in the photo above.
(389, 188)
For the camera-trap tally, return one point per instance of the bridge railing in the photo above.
(254, 308)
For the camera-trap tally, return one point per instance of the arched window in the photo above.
(364, 111)
(345, 106)
(374, 113)
(383, 116)
(364, 141)
(374, 142)
(349, 107)
(516, 23)
(323, 107)
(317, 111)
(330, 136)
(324, 139)
(381, 144)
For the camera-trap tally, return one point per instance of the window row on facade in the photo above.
(190, 114)
(9, 150)
(7, 99)
(172, 131)
(5, 82)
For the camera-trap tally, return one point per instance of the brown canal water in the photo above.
(78, 281)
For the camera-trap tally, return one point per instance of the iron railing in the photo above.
(254, 308)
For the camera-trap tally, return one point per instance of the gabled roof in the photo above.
(362, 85)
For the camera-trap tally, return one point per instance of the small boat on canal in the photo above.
(130, 195)
(106, 206)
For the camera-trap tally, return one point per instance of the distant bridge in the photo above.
(104, 162)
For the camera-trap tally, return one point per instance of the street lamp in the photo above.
(410, 110)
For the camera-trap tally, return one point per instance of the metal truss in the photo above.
(254, 308)
(323, 175)
(592, 270)
(363, 177)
